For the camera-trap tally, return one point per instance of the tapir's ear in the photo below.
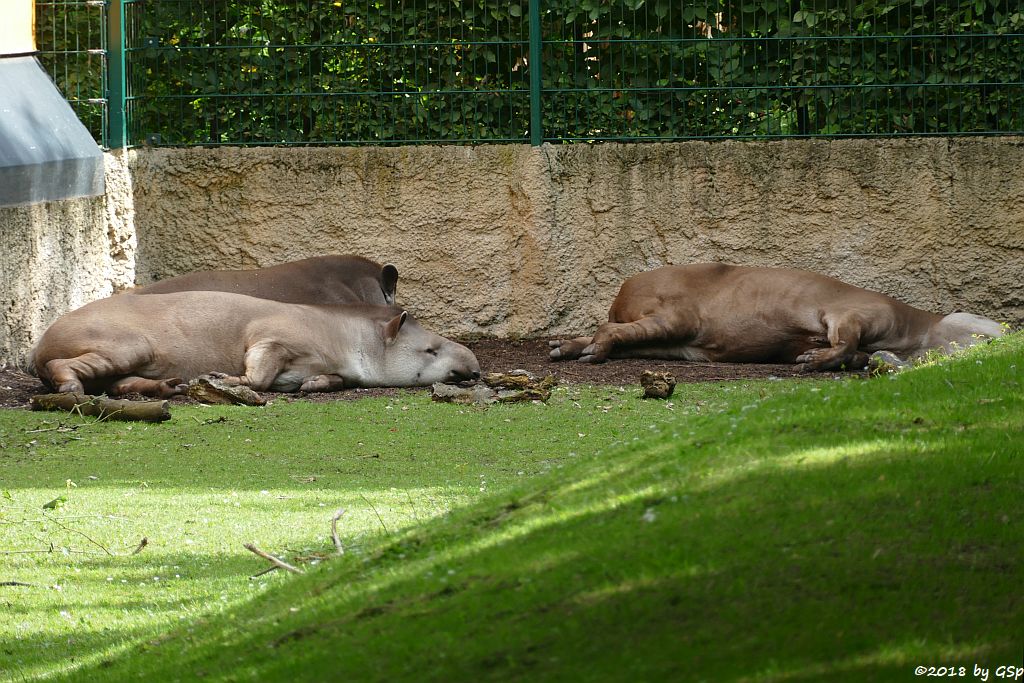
(389, 282)
(392, 327)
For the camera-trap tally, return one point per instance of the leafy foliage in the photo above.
(272, 71)
(784, 67)
(267, 72)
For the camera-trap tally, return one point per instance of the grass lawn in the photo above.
(773, 531)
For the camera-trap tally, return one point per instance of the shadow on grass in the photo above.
(858, 570)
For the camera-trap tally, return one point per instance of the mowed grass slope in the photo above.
(211, 479)
(779, 532)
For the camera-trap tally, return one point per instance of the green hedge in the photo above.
(227, 71)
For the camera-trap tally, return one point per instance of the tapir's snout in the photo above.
(461, 375)
(465, 367)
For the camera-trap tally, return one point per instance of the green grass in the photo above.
(775, 531)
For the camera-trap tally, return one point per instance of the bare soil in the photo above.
(495, 355)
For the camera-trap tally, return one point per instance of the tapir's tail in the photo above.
(29, 365)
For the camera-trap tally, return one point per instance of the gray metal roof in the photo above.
(45, 152)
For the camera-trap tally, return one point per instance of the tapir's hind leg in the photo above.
(71, 374)
(111, 372)
(652, 329)
(568, 349)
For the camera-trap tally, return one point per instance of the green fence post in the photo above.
(536, 132)
(117, 133)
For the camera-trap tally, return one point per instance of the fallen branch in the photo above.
(334, 531)
(18, 583)
(42, 551)
(273, 560)
(82, 534)
(271, 568)
(379, 518)
(102, 407)
(142, 544)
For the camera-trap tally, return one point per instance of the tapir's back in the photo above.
(332, 279)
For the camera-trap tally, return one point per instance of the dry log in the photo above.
(102, 407)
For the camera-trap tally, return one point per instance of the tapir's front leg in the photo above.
(264, 361)
(160, 388)
(323, 383)
(844, 333)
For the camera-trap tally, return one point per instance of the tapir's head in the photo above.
(413, 356)
(960, 330)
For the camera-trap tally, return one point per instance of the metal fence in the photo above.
(264, 72)
(71, 37)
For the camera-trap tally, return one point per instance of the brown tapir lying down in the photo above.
(333, 279)
(154, 344)
(741, 314)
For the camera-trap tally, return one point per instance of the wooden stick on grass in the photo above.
(270, 558)
(103, 408)
(334, 531)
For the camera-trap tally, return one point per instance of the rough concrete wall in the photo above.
(57, 256)
(518, 241)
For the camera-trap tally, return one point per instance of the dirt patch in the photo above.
(495, 355)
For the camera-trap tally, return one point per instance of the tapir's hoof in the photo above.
(317, 383)
(593, 354)
(560, 350)
(174, 386)
(814, 360)
(568, 349)
(806, 356)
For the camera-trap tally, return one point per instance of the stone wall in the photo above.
(509, 240)
(60, 255)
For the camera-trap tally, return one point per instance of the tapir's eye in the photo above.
(432, 351)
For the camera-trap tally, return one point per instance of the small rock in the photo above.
(885, 363)
(510, 387)
(516, 379)
(477, 393)
(208, 389)
(657, 384)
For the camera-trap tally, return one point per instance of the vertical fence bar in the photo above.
(536, 132)
(117, 136)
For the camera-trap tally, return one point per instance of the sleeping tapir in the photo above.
(718, 312)
(154, 344)
(334, 279)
